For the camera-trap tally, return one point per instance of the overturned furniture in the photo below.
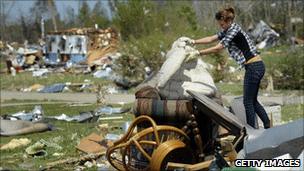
(192, 139)
(161, 147)
(149, 148)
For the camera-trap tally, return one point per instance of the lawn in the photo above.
(68, 135)
(236, 88)
(25, 80)
(292, 112)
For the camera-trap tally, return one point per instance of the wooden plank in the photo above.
(217, 113)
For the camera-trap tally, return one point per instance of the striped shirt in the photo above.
(240, 47)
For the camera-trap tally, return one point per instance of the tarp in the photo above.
(55, 88)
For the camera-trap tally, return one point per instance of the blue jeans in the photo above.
(253, 75)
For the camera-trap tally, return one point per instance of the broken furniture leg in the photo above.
(191, 126)
(197, 138)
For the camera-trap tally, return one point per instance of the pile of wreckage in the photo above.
(86, 45)
(79, 51)
(78, 48)
(265, 35)
(181, 124)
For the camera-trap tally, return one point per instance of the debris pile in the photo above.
(74, 48)
(20, 57)
(111, 124)
(264, 35)
(86, 45)
(198, 117)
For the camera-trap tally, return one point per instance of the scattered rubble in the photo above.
(74, 160)
(91, 144)
(35, 115)
(15, 143)
(91, 116)
(36, 150)
(263, 35)
(108, 110)
(82, 117)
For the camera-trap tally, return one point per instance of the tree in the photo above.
(197, 8)
(84, 14)
(41, 9)
(70, 17)
(5, 8)
(98, 15)
(129, 18)
(53, 12)
(113, 8)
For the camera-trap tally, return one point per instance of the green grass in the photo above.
(230, 88)
(236, 88)
(2, 65)
(25, 80)
(28, 101)
(274, 55)
(69, 134)
(271, 57)
(292, 112)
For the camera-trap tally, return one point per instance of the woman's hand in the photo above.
(190, 42)
(187, 40)
(192, 55)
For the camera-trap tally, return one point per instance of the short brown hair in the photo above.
(226, 14)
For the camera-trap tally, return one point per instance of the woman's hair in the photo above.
(226, 14)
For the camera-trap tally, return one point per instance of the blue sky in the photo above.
(15, 8)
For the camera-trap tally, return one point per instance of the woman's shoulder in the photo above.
(236, 26)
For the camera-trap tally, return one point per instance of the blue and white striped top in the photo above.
(240, 47)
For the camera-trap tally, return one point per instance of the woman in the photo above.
(242, 49)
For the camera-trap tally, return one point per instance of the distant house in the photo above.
(76, 45)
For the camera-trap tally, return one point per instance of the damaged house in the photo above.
(79, 46)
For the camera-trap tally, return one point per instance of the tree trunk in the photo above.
(53, 13)
(198, 13)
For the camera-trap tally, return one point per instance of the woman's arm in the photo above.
(213, 49)
(206, 40)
